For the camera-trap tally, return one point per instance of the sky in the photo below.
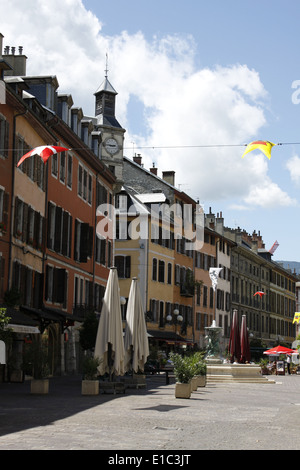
(196, 82)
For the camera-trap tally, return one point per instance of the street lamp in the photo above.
(122, 302)
(176, 317)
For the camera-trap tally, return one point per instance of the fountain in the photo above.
(213, 344)
(220, 371)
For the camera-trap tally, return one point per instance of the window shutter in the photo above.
(103, 251)
(59, 282)
(5, 209)
(65, 233)
(84, 242)
(25, 222)
(23, 283)
(75, 240)
(49, 221)
(57, 235)
(90, 242)
(6, 139)
(70, 236)
(127, 266)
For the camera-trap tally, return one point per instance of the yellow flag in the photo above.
(264, 145)
(296, 317)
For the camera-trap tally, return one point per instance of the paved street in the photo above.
(217, 417)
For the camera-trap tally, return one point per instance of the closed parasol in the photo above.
(109, 347)
(234, 347)
(136, 337)
(245, 346)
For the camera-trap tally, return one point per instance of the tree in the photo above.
(5, 333)
(88, 332)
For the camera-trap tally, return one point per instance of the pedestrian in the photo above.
(288, 361)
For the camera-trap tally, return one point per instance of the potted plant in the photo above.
(200, 370)
(263, 365)
(36, 363)
(184, 371)
(90, 382)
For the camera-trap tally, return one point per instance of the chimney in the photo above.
(138, 159)
(153, 170)
(16, 61)
(4, 66)
(169, 177)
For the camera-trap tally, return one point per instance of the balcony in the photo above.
(81, 310)
(187, 289)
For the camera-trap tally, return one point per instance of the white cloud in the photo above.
(184, 107)
(293, 165)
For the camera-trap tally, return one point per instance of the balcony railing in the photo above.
(187, 290)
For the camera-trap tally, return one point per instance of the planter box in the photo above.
(182, 390)
(39, 386)
(112, 387)
(90, 387)
(201, 380)
(16, 376)
(194, 384)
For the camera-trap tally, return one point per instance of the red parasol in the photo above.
(260, 293)
(278, 350)
(44, 151)
(234, 347)
(245, 346)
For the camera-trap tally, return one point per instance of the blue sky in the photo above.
(191, 73)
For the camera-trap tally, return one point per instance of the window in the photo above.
(109, 253)
(99, 294)
(154, 309)
(54, 167)
(204, 296)
(51, 225)
(198, 293)
(59, 230)
(101, 194)
(84, 190)
(198, 321)
(4, 137)
(123, 265)
(18, 229)
(90, 188)
(161, 271)
(79, 189)
(62, 172)
(56, 285)
(4, 203)
(161, 314)
(121, 202)
(83, 245)
(211, 297)
(30, 225)
(101, 250)
(177, 274)
(154, 269)
(169, 273)
(70, 171)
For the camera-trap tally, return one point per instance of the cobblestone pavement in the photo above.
(216, 417)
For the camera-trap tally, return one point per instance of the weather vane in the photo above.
(106, 69)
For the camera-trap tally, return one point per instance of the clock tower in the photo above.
(111, 131)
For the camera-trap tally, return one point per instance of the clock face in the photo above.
(111, 146)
